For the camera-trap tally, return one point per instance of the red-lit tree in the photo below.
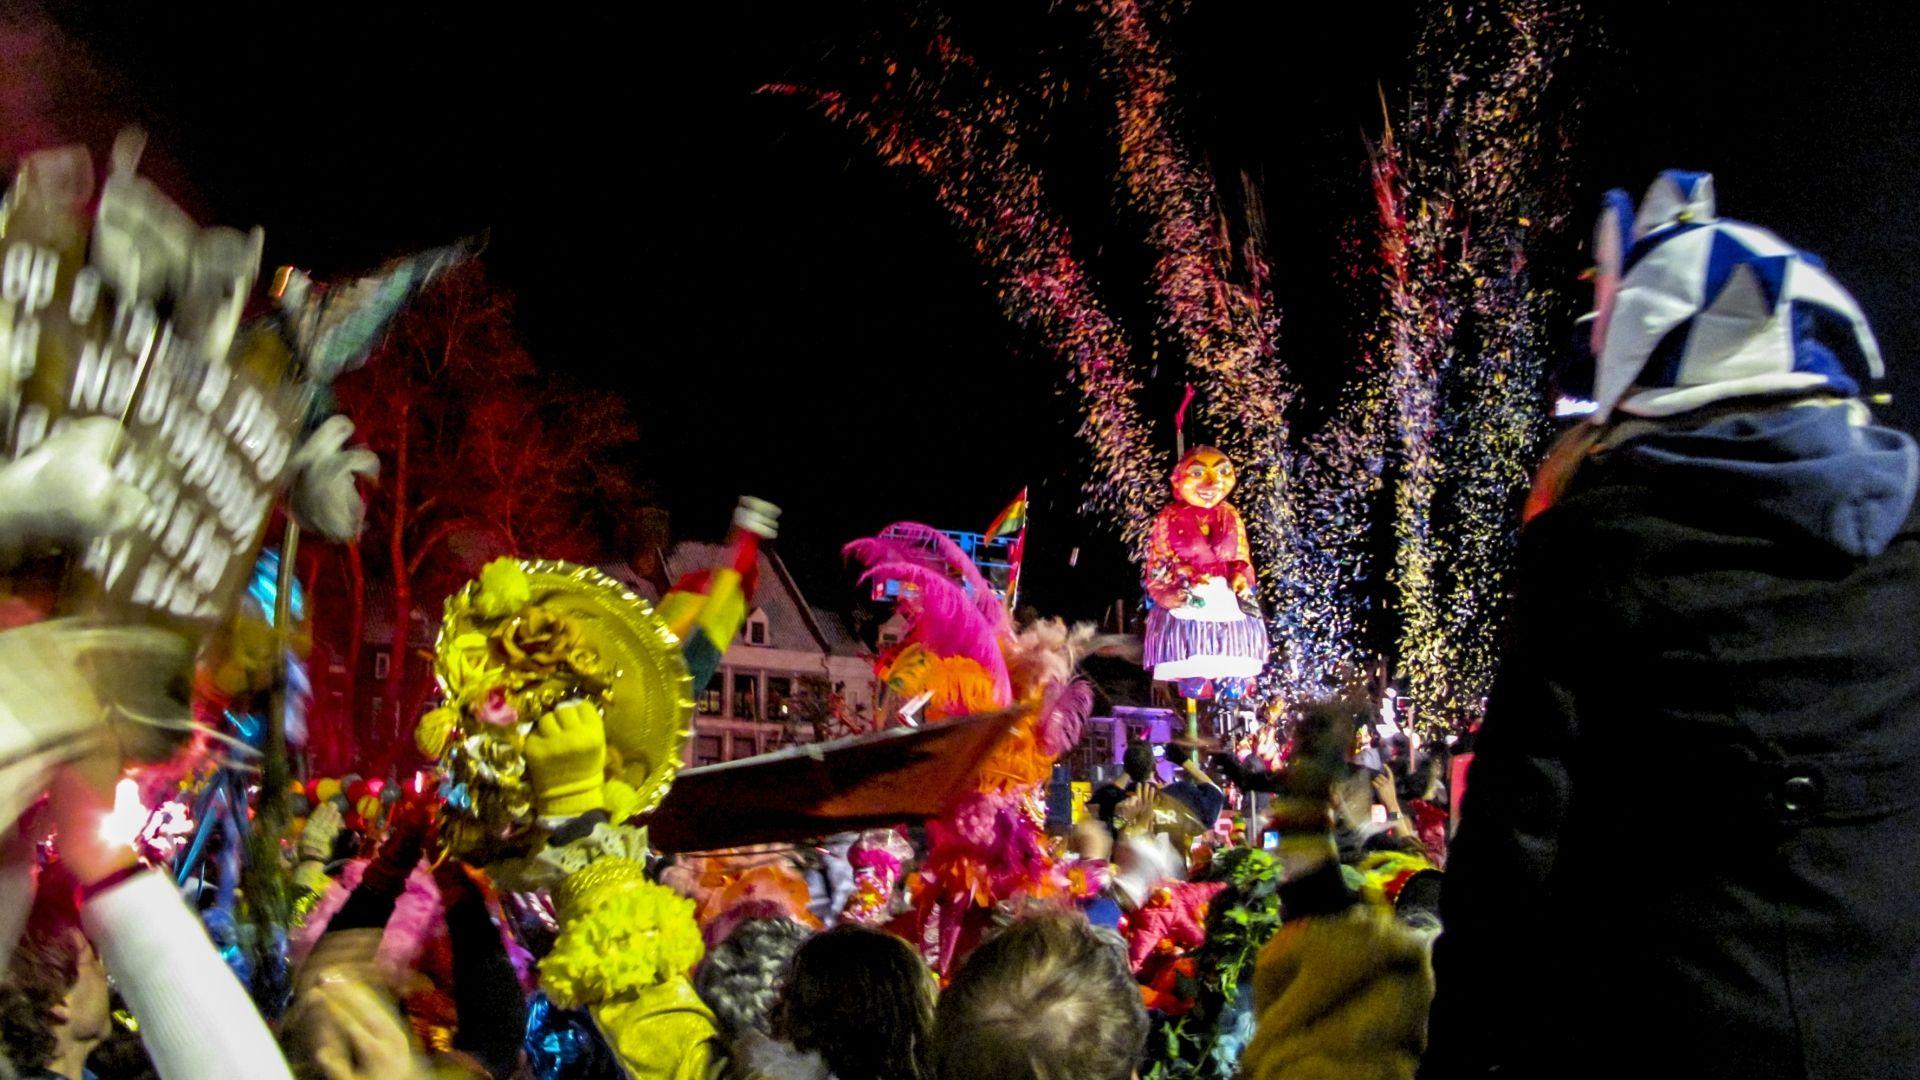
(483, 453)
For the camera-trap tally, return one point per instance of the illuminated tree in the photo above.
(483, 453)
(1469, 189)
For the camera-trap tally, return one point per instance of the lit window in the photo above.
(709, 698)
(746, 695)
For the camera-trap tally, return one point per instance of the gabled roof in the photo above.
(792, 623)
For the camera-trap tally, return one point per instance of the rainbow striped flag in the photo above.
(1011, 520)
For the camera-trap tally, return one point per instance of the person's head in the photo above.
(55, 996)
(740, 978)
(862, 1000)
(1139, 762)
(1050, 997)
(1418, 904)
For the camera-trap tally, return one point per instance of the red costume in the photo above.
(1190, 544)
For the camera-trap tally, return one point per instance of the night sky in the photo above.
(793, 321)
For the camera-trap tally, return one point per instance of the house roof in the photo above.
(792, 622)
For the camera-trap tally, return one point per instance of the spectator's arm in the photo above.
(195, 1018)
(489, 1005)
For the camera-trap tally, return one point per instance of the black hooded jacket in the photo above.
(1690, 844)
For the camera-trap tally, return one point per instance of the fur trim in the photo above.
(762, 1058)
(416, 918)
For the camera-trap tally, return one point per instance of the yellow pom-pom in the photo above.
(504, 589)
(434, 730)
(326, 789)
(621, 934)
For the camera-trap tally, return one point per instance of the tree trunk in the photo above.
(356, 642)
(402, 587)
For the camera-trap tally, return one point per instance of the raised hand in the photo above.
(567, 760)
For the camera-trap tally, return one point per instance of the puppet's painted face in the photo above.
(1204, 478)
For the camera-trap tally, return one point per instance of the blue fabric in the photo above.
(1663, 363)
(1687, 180)
(1653, 240)
(1234, 1030)
(1727, 254)
(1724, 255)
(1102, 911)
(1824, 344)
(1847, 486)
(1771, 270)
(1621, 203)
(563, 1044)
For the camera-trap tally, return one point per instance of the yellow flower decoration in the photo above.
(435, 729)
(471, 669)
(504, 589)
(540, 640)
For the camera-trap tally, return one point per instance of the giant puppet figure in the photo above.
(1204, 631)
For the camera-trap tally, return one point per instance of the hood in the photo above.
(1818, 469)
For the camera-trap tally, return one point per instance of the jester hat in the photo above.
(1691, 309)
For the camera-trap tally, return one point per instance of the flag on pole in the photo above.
(1011, 520)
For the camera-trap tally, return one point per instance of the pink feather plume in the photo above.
(910, 541)
(946, 617)
(1063, 713)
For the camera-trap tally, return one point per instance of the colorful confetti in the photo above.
(1446, 402)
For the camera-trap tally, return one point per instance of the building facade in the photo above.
(795, 674)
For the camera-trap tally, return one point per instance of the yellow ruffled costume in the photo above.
(625, 952)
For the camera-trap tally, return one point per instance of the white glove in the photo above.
(63, 491)
(325, 497)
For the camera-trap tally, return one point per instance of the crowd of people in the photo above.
(1684, 844)
(412, 969)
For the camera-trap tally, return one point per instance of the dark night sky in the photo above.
(793, 321)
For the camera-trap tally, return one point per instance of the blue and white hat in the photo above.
(1692, 309)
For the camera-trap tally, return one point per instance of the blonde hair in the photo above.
(1050, 998)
